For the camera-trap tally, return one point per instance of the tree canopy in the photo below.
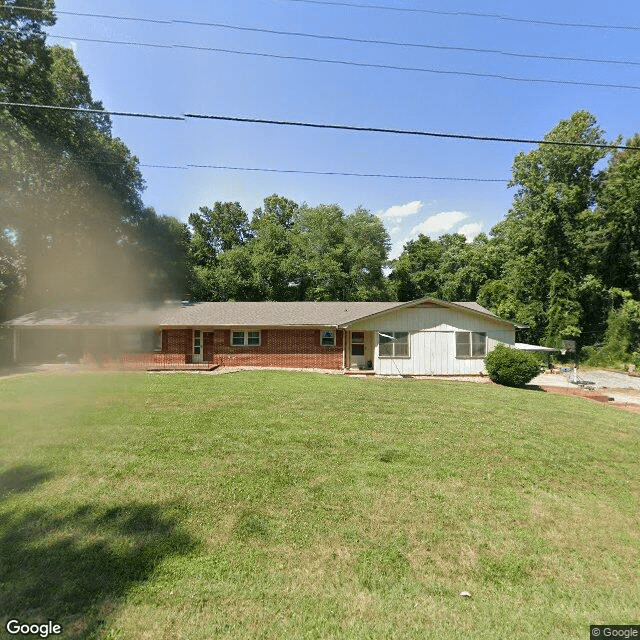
(72, 221)
(564, 260)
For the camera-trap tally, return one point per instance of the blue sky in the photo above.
(176, 79)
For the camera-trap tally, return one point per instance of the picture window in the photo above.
(245, 338)
(393, 344)
(471, 344)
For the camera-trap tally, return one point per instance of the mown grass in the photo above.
(292, 505)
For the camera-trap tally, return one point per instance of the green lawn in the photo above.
(290, 505)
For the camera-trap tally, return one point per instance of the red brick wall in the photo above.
(151, 360)
(177, 341)
(136, 361)
(295, 348)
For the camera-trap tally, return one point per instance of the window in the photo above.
(357, 343)
(157, 340)
(393, 344)
(471, 344)
(245, 338)
(197, 342)
(328, 338)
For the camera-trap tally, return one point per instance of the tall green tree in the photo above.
(449, 268)
(547, 234)
(416, 272)
(367, 243)
(619, 205)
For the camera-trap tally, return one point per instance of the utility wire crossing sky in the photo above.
(292, 91)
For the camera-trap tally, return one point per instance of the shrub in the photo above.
(511, 367)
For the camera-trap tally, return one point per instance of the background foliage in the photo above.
(564, 261)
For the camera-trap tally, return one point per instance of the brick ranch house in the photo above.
(421, 337)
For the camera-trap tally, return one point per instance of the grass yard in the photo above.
(289, 505)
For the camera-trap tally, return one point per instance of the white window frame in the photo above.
(245, 338)
(197, 343)
(394, 342)
(470, 335)
(324, 335)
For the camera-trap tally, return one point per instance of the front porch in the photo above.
(360, 352)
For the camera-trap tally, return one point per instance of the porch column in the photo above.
(344, 349)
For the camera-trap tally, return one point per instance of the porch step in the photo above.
(185, 367)
(359, 372)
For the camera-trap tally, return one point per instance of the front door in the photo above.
(357, 349)
(197, 345)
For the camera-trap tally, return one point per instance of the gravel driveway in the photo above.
(600, 379)
(622, 388)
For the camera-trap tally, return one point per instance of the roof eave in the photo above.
(449, 305)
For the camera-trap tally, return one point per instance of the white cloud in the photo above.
(434, 226)
(438, 224)
(396, 249)
(74, 46)
(403, 210)
(470, 230)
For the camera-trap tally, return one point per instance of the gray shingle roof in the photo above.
(219, 314)
(272, 314)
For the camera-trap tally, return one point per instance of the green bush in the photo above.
(511, 367)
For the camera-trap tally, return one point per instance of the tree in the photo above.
(277, 209)
(71, 209)
(416, 273)
(320, 251)
(549, 229)
(367, 244)
(449, 268)
(24, 59)
(619, 205)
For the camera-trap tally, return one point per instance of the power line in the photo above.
(371, 65)
(186, 167)
(345, 173)
(472, 14)
(319, 125)
(513, 54)
(89, 15)
(394, 43)
(411, 132)
(130, 114)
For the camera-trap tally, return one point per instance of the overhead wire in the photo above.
(371, 65)
(302, 171)
(395, 43)
(332, 37)
(319, 36)
(131, 114)
(346, 173)
(321, 125)
(412, 132)
(472, 14)
(440, 71)
(368, 65)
